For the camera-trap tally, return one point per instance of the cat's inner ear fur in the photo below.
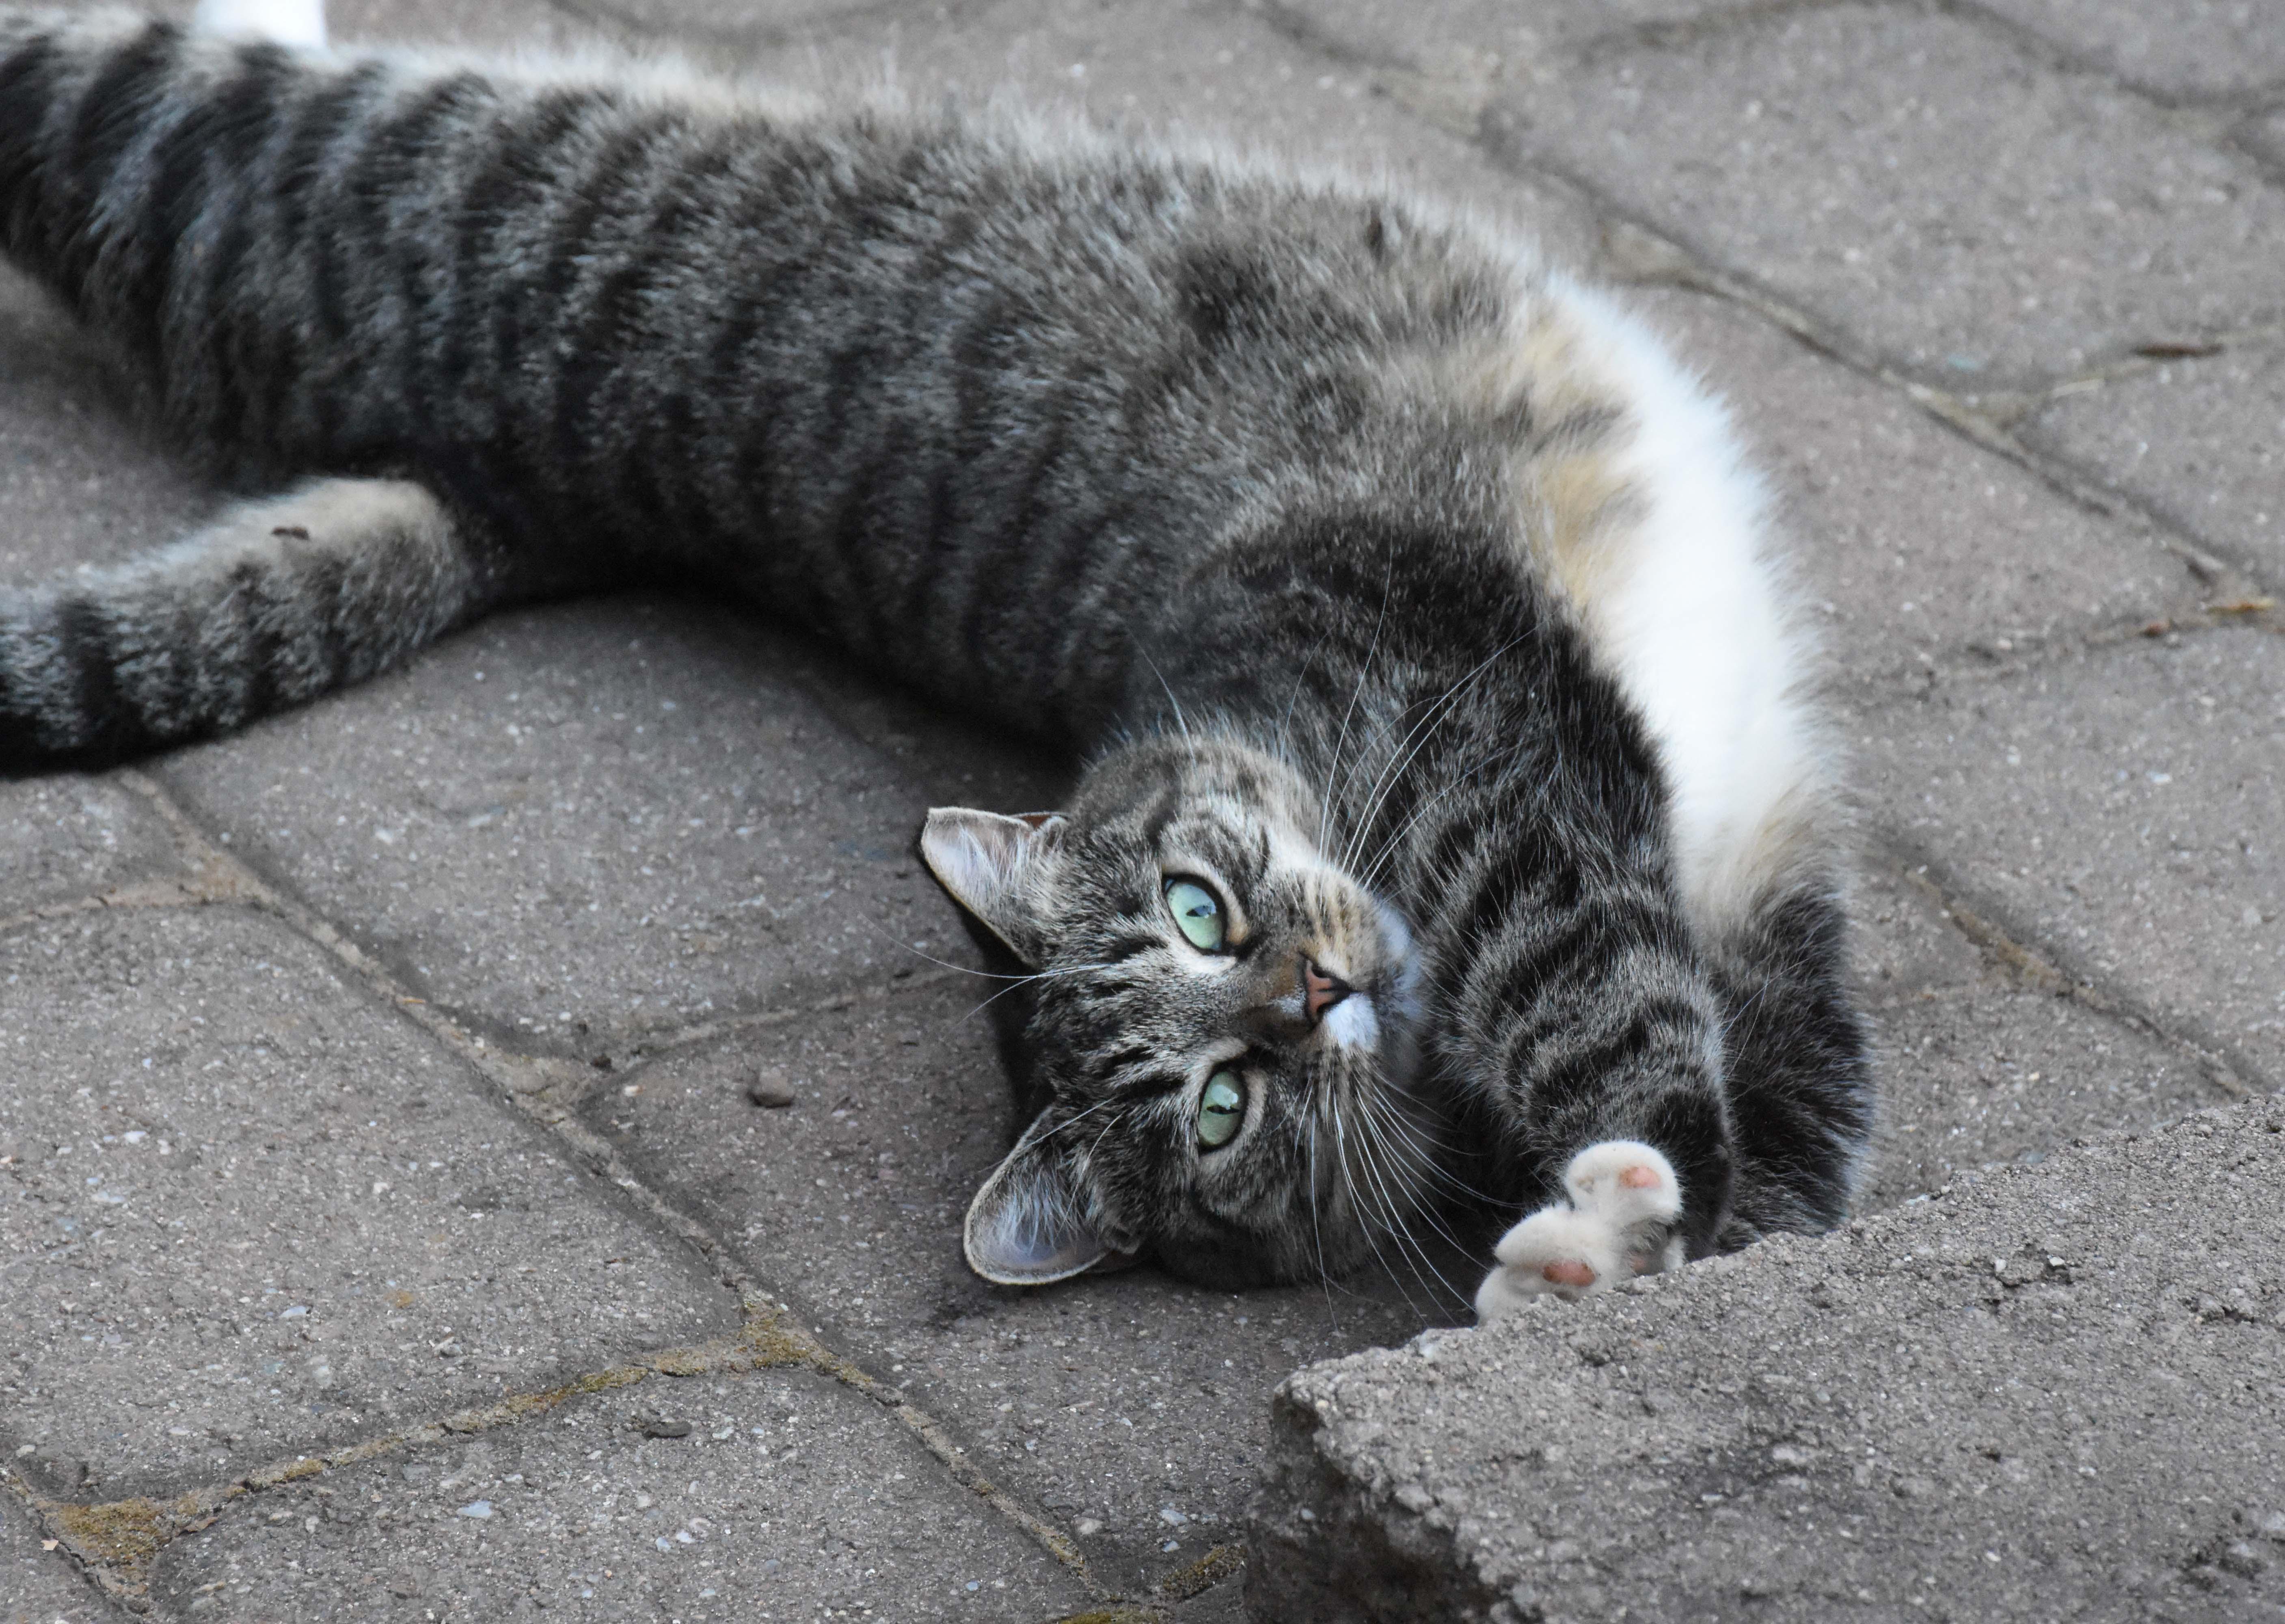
(997, 868)
(1029, 1223)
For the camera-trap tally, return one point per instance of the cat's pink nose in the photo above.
(1319, 992)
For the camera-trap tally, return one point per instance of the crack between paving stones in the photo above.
(2040, 973)
(2060, 57)
(114, 1543)
(117, 1541)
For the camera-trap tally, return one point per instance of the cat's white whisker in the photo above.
(1392, 774)
(1334, 765)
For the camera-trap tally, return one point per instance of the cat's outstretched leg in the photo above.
(274, 602)
(1619, 1222)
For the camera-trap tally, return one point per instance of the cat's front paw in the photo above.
(1618, 1223)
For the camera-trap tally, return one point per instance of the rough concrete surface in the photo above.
(248, 1215)
(2186, 50)
(1985, 1058)
(2051, 1393)
(456, 991)
(68, 837)
(784, 1495)
(2200, 440)
(38, 1582)
(1823, 153)
(585, 821)
(2127, 808)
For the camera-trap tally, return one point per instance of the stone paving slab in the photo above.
(2183, 50)
(2052, 1395)
(2126, 810)
(790, 1496)
(79, 483)
(244, 1213)
(2201, 442)
(582, 824)
(1189, 68)
(67, 836)
(949, 757)
(1112, 1401)
(1918, 545)
(41, 1587)
(1818, 152)
(1979, 1062)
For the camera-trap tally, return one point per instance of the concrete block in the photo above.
(2202, 441)
(245, 1214)
(1130, 1407)
(577, 825)
(68, 836)
(1983, 1062)
(790, 1496)
(2124, 812)
(2186, 50)
(2050, 1395)
(42, 1587)
(1921, 183)
(1915, 545)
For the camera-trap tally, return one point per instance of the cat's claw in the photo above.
(1618, 1223)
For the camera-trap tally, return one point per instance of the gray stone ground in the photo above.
(386, 1230)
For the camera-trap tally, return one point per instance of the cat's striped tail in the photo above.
(279, 601)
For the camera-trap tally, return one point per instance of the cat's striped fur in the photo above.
(1339, 534)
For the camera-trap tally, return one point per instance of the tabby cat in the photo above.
(1454, 840)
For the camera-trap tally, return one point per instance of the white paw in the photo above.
(1618, 1223)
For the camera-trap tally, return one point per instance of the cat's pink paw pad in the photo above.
(1618, 1223)
(1626, 1182)
(1555, 1251)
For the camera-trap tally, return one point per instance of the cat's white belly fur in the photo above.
(1695, 624)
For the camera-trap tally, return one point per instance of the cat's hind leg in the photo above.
(277, 601)
(1618, 1222)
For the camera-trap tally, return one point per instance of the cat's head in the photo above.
(1208, 1023)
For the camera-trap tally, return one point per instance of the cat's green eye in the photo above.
(1198, 915)
(1221, 1110)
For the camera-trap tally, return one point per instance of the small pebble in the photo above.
(769, 1090)
(477, 1508)
(660, 1427)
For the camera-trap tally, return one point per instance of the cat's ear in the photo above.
(993, 867)
(1028, 1225)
